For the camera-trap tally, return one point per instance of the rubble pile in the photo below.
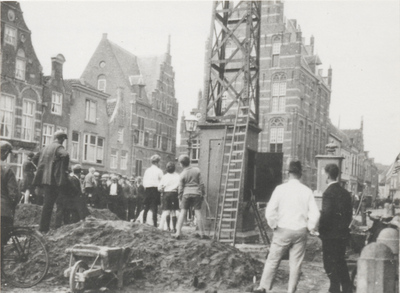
(29, 214)
(168, 264)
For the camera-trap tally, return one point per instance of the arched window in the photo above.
(276, 135)
(278, 93)
(276, 50)
(20, 65)
(101, 83)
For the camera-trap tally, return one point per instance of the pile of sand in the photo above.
(168, 263)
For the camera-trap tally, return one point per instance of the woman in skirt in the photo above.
(169, 202)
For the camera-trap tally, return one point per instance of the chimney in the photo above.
(330, 76)
(199, 99)
(57, 66)
(312, 45)
(169, 45)
(320, 72)
(105, 36)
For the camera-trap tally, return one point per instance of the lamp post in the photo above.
(190, 125)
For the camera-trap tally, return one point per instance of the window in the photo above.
(141, 138)
(124, 160)
(276, 140)
(63, 129)
(101, 83)
(48, 131)
(276, 51)
(10, 35)
(6, 115)
(113, 159)
(146, 139)
(28, 112)
(90, 111)
(138, 167)
(120, 135)
(93, 149)
(75, 146)
(15, 160)
(20, 65)
(195, 155)
(279, 93)
(158, 143)
(56, 103)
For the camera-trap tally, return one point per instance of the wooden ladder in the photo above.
(232, 176)
(263, 231)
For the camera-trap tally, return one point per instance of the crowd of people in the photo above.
(47, 173)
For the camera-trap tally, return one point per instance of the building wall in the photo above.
(80, 126)
(55, 116)
(19, 88)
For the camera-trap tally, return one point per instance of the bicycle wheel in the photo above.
(25, 260)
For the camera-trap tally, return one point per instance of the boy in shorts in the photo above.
(191, 193)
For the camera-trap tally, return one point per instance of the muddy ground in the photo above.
(169, 265)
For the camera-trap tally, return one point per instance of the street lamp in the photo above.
(190, 125)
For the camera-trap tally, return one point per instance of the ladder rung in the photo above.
(225, 240)
(236, 133)
(234, 179)
(241, 125)
(227, 230)
(235, 170)
(232, 189)
(231, 199)
(230, 210)
(237, 161)
(228, 220)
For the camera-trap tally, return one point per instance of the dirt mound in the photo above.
(168, 263)
(29, 214)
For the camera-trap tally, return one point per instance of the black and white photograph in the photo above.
(200, 146)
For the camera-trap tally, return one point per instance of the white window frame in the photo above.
(195, 153)
(28, 119)
(7, 113)
(114, 159)
(90, 111)
(75, 146)
(120, 135)
(10, 39)
(141, 121)
(20, 68)
(20, 157)
(279, 96)
(56, 103)
(97, 157)
(124, 160)
(276, 137)
(102, 84)
(47, 135)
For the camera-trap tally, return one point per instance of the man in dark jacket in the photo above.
(9, 193)
(336, 216)
(52, 174)
(77, 206)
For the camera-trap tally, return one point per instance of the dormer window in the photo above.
(10, 35)
(20, 65)
(101, 83)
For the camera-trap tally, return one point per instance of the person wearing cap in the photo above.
(90, 183)
(191, 192)
(115, 198)
(151, 180)
(95, 199)
(291, 213)
(102, 192)
(52, 173)
(77, 209)
(126, 194)
(28, 171)
(170, 203)
(9, 192)
(132, 199)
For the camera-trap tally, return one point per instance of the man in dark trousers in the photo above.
(336, 216)
(52, 174)
(9, 193)
(77, 207)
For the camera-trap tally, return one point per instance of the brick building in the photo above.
(88, 125)
(141, 107)
(56, 102)
(21, 103)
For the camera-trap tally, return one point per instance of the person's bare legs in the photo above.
(182, 216)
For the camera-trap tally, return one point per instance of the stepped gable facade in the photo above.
(141, 107)
(21, 103)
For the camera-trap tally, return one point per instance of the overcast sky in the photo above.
(359, 39)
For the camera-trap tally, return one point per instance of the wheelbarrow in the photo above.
(89, 261)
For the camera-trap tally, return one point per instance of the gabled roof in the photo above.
(127, 61)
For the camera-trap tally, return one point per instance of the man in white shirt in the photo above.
(151, 180)
(291, 213)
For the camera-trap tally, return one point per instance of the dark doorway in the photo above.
(268, 174)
